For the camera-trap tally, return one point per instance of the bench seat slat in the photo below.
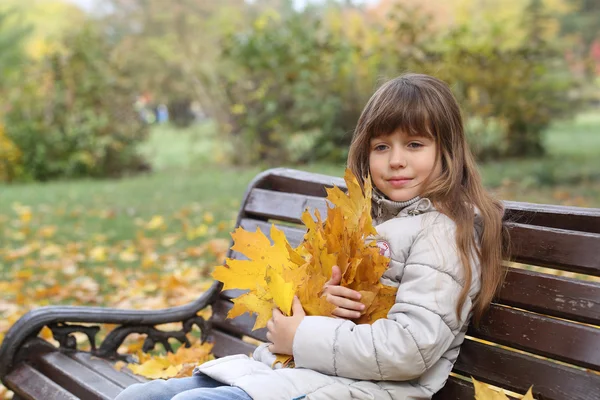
(456, 389)
(566, 341)
(226, 345)
(517, 372)
(28, 383)
(76, 378)
(106, 369)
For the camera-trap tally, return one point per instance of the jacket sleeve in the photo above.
(418, 330)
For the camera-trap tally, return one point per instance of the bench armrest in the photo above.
(60, 320)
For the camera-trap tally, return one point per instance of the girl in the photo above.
(443, 234)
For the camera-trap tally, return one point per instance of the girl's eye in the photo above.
(415, 145)
(380, 147)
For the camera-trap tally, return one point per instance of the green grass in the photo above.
(568, 174)
(579, 137)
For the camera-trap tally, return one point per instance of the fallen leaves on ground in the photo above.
(50, 256)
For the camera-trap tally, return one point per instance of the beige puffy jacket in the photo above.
(408, 355)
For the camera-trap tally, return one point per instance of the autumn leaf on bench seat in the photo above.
(484, 392)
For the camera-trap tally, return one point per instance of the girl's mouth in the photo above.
(398, 182)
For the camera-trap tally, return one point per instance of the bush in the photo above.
(523, 88)
(304, 77)
(486, 137)
(308, 73)
(73, 114)
(10, 158)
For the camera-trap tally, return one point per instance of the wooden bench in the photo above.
(543, 330)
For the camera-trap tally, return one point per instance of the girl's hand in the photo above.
(346, 300)
(282, 329)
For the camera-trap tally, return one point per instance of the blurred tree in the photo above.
(519, 86)
(173, 46)
(297, 80)
(12, 37)
(12, 57)
(581, 26)
(73, 113)
(48, 21)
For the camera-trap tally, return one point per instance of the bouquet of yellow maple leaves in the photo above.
(275, 273)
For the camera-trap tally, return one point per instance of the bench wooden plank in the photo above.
(30, 384)
(293, 234)
(239, 326)
(553, 216)
(455, 389)
(76, 378)
(106, 369)
(283, 206)
(558, 296)
(548, 337)
(551, 247)
(300, 182)
(226, 345)
(517, 372)
(524, 289)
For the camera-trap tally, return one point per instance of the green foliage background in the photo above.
(281, 84)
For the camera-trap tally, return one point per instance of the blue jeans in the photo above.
(197, 387)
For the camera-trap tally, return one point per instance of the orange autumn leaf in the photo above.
(274, 273)
(178, 364)
(484, 392)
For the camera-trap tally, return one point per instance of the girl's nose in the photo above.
(397, 160)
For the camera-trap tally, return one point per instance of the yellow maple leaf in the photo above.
(528, 395)
(484, 392)
(178, 364)
(263, 274)
(155, 368)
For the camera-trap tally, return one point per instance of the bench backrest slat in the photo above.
(537, 320)
(543, 246)
(552, 216)
(550, 247)
(556, 296)
(549, 337)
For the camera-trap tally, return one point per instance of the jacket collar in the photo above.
(384, 208)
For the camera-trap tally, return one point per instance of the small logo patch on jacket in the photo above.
(384, 248)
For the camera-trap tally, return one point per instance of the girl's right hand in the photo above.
(346, 300)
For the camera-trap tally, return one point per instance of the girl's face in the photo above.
(400, 164)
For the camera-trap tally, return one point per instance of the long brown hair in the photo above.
(423, 105)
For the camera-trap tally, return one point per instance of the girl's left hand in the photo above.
(282, 329)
